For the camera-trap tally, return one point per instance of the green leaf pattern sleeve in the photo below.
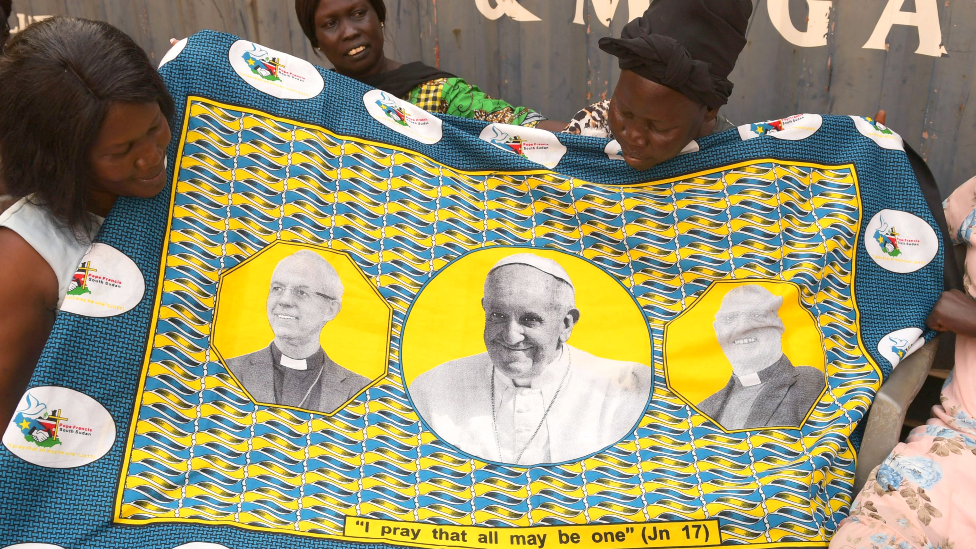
(456, 97)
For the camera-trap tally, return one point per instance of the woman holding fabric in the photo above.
(350, 34)
(84, 121)
(922, 494)
(675, 62)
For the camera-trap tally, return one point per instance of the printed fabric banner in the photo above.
(348, 321)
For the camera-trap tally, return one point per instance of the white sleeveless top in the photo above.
(50, 238)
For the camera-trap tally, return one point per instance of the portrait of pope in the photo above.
(305, 294)
(531, 397)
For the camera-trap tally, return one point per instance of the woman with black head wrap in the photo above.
(675, 62)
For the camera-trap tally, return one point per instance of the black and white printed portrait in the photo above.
(531, 397)
(765, 388)
(294, 370)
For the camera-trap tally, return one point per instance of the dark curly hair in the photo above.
(305, 10)
(59, 77)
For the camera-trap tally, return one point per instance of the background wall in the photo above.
(802, 55)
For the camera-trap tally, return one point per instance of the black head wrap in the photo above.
(688, 45)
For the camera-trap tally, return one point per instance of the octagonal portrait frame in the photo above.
(346, 266)
(706, 296)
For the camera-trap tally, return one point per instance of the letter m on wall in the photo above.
(605, 10)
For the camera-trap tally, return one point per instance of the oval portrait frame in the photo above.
(511, 250)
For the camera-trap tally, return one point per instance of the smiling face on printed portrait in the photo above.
(749, 329)
(305, 294)
(529, 314)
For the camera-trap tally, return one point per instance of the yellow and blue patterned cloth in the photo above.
(273, 156)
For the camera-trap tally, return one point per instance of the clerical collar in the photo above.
(299, 364)
(748, 380)
(296, 364)
(751, 380)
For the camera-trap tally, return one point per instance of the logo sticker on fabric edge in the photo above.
(402, 117)
(33, 546)
(879, 133)
(539, 146)
(791, 128)
(173, 52)
(106, 283)
(900, 242)
(275, 73)
(59, 428)
(897, 345)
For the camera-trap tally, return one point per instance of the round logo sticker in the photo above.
(173, 52)
(201, 545)
(899, 344)
(33, 546)
(900, 242)
(59, 428)
(692, 147)
(107, 283)
(275, 73)
(539, 146)
(793, 128)
(614, 152)
(879, 133)
(403, 117)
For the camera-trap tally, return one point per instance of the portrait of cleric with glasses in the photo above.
(294, 370)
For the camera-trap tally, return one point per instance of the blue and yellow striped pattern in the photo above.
(201, 450)
(195, 460)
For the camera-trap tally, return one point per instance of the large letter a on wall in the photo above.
(925, 17)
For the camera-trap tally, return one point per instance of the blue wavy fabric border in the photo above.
(103, 357)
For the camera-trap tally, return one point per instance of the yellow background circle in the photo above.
(697, 367)
(447, 321)
(356, 339)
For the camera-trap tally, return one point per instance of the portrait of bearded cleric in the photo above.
(765, 389)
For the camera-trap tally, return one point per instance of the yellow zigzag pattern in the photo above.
(201, 451)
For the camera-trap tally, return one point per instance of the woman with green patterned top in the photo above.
(350, 34)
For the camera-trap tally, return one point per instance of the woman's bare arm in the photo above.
(954, 312)
(28, 298)
(552, 125)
